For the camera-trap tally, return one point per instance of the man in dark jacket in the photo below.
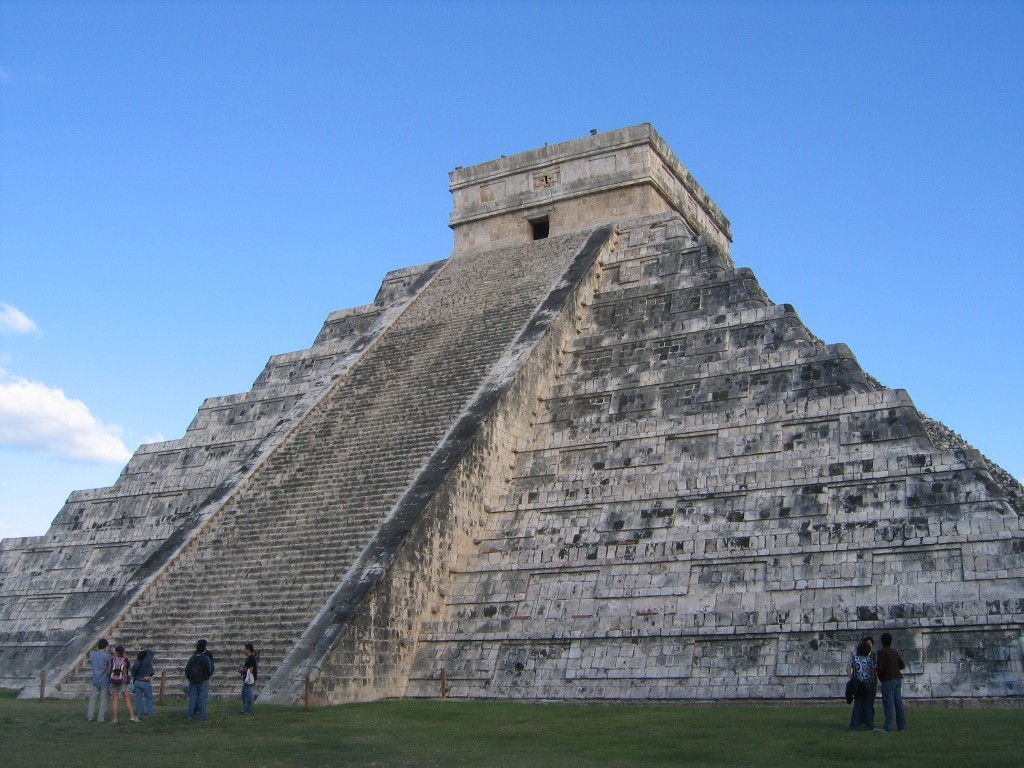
(198, 671)
(142, 683)
(889, 664)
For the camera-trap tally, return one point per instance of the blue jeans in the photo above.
(197, 694)
(248, 697)
(143, 698)
(863, 711)
(892, 703)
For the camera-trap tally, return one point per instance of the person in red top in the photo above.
(889, 664)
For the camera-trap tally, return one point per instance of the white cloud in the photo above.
(13, 320)
(33, 415)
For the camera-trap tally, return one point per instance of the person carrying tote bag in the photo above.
(249, 672)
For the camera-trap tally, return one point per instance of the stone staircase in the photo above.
(266, 563)
(104, 541)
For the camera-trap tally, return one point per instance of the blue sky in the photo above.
(187, 188)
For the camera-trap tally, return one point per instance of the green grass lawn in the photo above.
(496, 734)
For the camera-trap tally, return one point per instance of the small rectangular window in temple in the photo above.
(539, 228)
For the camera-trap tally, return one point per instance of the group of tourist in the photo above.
(113, 676)
(867, 672)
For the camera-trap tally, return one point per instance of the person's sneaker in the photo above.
(134, 720)
(114, 721)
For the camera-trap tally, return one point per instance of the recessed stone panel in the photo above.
(741, 659)
(643, 658)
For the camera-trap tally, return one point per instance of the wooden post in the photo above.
(42, 685)
(163, 685)
(444, 685)
(308, 692)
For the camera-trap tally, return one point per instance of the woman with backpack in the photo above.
(120, 679)
(249, 672)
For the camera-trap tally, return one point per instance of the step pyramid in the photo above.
(585, 457)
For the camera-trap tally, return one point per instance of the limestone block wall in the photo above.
(714, 504)
(568, 215)
(105, 541)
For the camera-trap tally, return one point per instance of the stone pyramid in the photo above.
(585, 457)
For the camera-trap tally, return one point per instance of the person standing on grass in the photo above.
(249, 672)
(99, 660)
(120, 680)
(871, 652)
(890, 679)
(862, 668)
(198, 670)
(142, 677)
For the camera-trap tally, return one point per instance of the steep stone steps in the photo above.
(303, 522)
(167, 489)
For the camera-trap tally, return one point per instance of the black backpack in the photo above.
(198, 669)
